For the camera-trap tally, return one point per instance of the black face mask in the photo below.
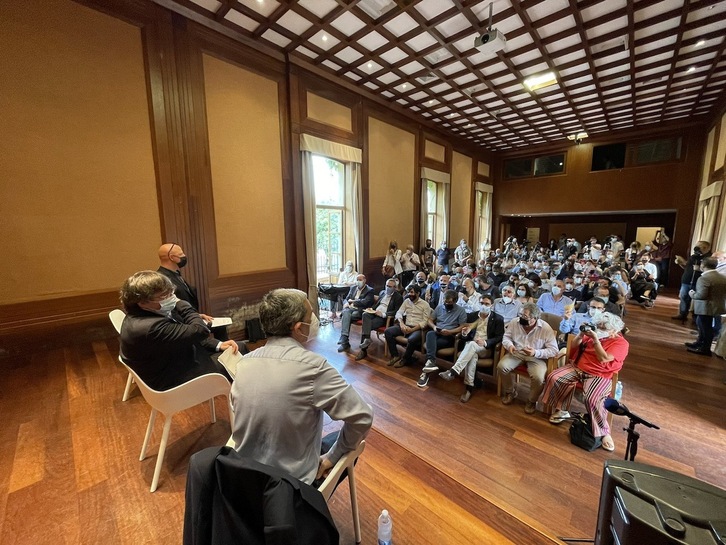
(697, 250)
(449, 306)
(420, 282)
(413, 297)
(182, 261)
(524, 322)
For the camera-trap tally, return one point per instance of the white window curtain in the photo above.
(485, 215)
(442, 208)
(706, 213)
(352, 157)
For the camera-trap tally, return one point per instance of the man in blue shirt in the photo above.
(445, 322)
(555, 302)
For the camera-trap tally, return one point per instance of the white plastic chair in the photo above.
(347, 461)
(117, 318)
(179, 398)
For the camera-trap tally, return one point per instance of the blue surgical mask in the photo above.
(389, 290)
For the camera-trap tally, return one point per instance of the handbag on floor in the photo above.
(581, 432)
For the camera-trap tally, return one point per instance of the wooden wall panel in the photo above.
(461, 199)
(434, 151)
(328, 112)
(244, 148)
(721, 146)
(391, 178)
(76, 152)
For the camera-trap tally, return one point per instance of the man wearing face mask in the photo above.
(172, 259)
(359, 298)
(348, 275)
(443, 256)
(412, 318)
(572, 320)
(605, 294)
(507, 306)
(389, 301)
(691, 272)
(483, 335)
(469, 299)
(282, 390)
(445, 322)
(555, 302)
(163, 339)
(595, 356)
(419, 280)
(531, 341)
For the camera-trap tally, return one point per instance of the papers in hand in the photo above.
(369, 311)
(230, 360)
(219, 322)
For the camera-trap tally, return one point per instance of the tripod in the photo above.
(632, 446)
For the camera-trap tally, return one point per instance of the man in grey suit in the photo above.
(709, 301)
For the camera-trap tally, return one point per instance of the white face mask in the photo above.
(521, 293)
(485, 310)
(168, 304)
(568, 287)
(313, 328)
(360, 284)
(602, 334)
(506, 299)
(556, 290)
(594, 312)
(578, 281)
(349, 268)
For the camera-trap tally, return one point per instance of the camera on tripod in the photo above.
(584, 328)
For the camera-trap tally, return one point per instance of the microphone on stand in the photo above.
(617, 408)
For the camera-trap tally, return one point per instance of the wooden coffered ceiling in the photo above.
(619, 64)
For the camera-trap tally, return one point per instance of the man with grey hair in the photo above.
(531, 341)
(163, 339)
(282, 389)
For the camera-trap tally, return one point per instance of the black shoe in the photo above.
(693, 345)
(361, 355)
(343, 347)
(700, 351)
(679, 317)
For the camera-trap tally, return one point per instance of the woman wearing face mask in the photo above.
(164, 340)
(392, 263)
(483, 336)
(524, 293)
(594, 357)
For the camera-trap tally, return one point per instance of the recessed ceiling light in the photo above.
(370, 65)
(699, 43)
(691, 69)
(431, 102)
(325, 37)
(539, 81)
(404, 86)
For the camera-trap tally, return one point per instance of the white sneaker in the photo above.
(430, 367)
(559, 416)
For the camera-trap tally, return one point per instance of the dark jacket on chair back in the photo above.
(235, 500)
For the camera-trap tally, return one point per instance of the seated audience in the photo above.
(412, 317)
(444, 323)
(555, 302)
(595, 357)
(482, 336)
(507, 306)
(163, 339)
(531, 341)
(359, 298)
(282, 390)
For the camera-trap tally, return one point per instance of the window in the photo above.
(330, 215)
(656, 151)
(483, 219)
(435, 204)
(527, 167)
(611, 156)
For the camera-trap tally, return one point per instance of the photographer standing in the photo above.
(691, 273)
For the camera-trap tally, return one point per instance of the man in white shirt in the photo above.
(531, 341)
(412, 318)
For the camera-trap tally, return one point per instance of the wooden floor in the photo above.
(448, 472)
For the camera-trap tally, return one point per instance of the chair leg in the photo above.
(211, 408)
(149, 428)
(160, 456)
(354, 502)
(231, 411)
(127, 391)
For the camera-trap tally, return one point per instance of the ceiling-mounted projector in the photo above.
(492, 40)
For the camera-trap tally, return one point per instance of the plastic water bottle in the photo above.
(618, 391)
(385, 529)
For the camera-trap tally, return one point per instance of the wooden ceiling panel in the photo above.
(617, 63)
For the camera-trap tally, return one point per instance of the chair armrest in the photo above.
(346, 462)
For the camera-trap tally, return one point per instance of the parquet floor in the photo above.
(449, 473)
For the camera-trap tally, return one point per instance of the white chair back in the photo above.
(117, 318)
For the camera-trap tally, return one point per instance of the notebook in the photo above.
(230, 360)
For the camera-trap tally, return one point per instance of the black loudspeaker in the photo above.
(647, 505)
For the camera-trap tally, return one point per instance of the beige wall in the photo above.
(244, 148)
(78, 201)
(391, 174)
(461, 190)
